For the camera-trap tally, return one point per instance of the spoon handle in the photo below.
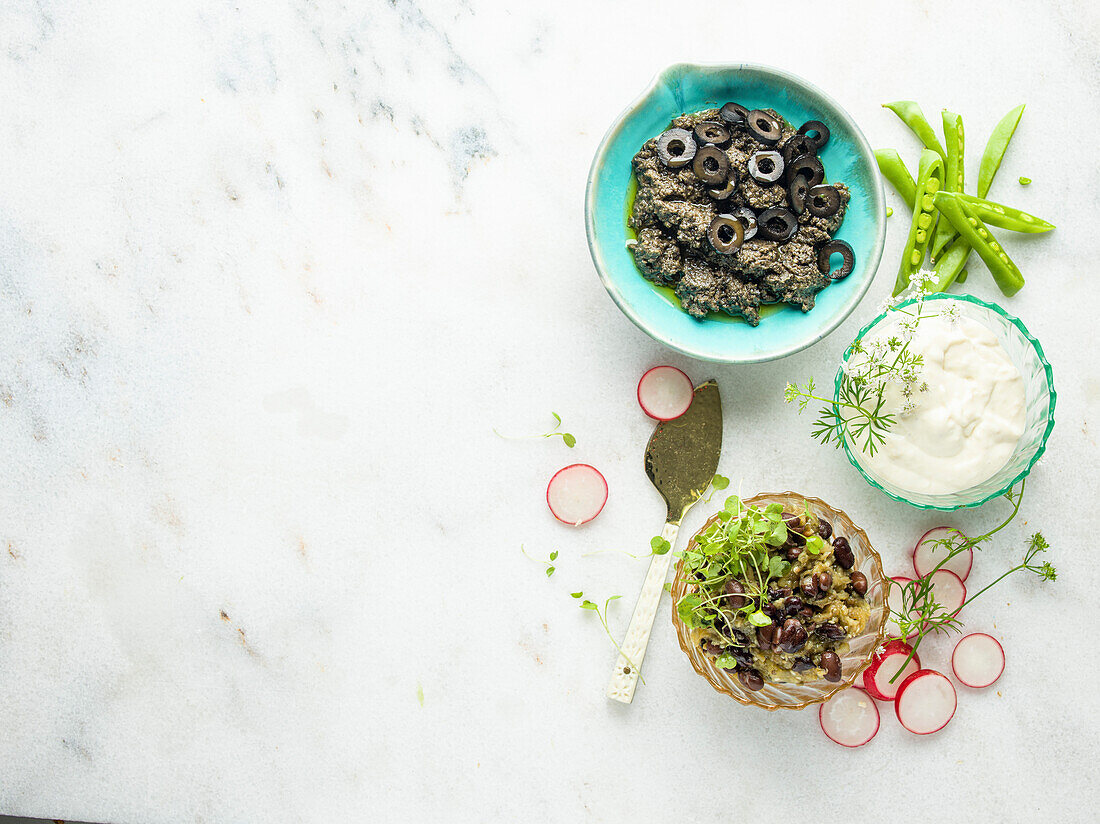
(625, 677)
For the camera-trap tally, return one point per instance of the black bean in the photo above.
(842, 551)
(765, 636)
(751, 679)
(823, 580)
(712, 648)
(792, 521)
(793, 636)
(806, 613)
(741, 637)
(824, 529)
(793, 553)
(830, 662)
(809, 586)
(792, 605)
(859, 583)
(802, 664)
(734, 594)
(742, 655)
(834, 632)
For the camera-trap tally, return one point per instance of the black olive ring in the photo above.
(764, 127)
(806, 166)
(777, 224)
(748, 219)
(820, 139)
(726, 234)
(676, 148)
(823, 200)
(765, 167)
(797, 192)
(833, 247)
(710, 133)
(711, 166)
(733, 114)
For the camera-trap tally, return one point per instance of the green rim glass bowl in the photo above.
(1027, 355)
(847, 157)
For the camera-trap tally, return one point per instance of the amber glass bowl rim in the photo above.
(827, 690)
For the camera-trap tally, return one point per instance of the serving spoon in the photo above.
(680, 460)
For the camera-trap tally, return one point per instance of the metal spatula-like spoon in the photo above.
(680, 460)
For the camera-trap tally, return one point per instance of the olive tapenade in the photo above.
(774, 595)
(719, 165)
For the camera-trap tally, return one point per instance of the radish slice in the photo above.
(894, 599)
(850, 718)
(665, 393)
(978, 660)
(926, 702)
(948, 590)
(884, 666)
(576, 494)
(927, 553)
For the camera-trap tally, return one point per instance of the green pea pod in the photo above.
(949, 265)
(954, 170)
(893, 169)
(929, 182)
(995, 149)
(912, 116)
(1005, 217)
(970, 226)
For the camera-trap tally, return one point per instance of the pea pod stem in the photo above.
(996, 147)
(954, 171)
(911, 115)
(929, 182)
(970, 226)
(1005, 217)
(894, 170)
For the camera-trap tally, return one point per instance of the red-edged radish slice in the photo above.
(927, 553)
(948, 590)
(978, 660)
(894, 599)
(884, 666)
(850, 718)
(576, 494)
(925, 702)
(665, 393)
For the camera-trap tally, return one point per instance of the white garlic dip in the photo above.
(959, 422)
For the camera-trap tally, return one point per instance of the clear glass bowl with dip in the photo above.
(1027, 356)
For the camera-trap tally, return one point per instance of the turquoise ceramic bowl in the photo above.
(1039, 398)
(847, 157)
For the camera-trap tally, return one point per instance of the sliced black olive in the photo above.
(766, 167)
(676, 148)
(711, 166)
(819, 136)
(726, 234)
(777, 224)
(823, 200)
(806, 166)
(795, 147)
(764, 127)
(748, 219)
(726, 192)
(797, 193)
(824, 252)
(709, 132)
(733, 114)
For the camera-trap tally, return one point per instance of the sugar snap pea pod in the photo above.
(949, 265)
(1004, 217)
(912, 116)
(970, 226)
(894, 170)
(996, 147)
(929, 182)
(953, 173)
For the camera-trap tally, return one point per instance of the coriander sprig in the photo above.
(920, 613)
(567, 438)
(857, 413)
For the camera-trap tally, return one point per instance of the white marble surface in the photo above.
(270, 272)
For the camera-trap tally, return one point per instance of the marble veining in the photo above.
(272, 272)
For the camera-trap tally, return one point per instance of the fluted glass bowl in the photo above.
(1039, 394)
(853, 662)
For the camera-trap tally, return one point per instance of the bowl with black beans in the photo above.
(789, 620)
(735, 213)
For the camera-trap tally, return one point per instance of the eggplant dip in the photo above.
(732, 211)
(774, 596)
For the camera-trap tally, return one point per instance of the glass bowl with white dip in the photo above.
(982, 412)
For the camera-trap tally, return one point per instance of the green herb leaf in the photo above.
(718, 482)
(725, 661)
(778, 567)
(554, 555)
(814, 545)
(659, 545)
(759, 619)
(586, 604)
(557, 418)
(668, 587)
(549, 571)
(575, 594)
(570, 441)
(1024, 181)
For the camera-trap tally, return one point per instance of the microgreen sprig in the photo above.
(717, 484)
(920, 614)
(550, 568)
(736, 547)
(602, 615)
(566, 437)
